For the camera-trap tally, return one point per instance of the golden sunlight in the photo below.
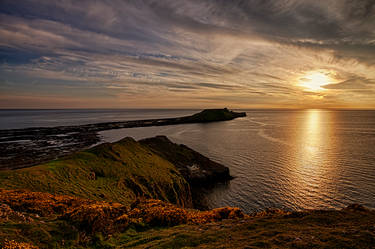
(315, 80)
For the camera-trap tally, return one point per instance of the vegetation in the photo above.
(34, 219)
(118, 172)
(46, 220)
(347, 228)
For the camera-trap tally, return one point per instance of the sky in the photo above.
(187, 54)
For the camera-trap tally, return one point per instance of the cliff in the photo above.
(197, 169)
(119, 172)
(122, 171)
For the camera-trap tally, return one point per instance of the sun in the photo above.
(314, 81)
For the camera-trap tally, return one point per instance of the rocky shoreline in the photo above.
(31, 146)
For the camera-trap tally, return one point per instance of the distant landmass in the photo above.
(30, 146)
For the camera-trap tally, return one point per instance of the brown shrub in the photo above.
(270, 212)
(11, 244)
(159, 213)
(217, 214)
(7, 213)
(43, 204)
(97, 216)
(89, 215)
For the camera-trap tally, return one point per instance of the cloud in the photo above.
(351, 84)
(179, 48)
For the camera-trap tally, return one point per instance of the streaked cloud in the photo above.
(186, 53)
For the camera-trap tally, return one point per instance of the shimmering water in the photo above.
(286, 159)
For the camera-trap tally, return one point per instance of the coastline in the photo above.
(31, 146)
(137, 194)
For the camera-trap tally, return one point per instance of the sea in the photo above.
(288, 159)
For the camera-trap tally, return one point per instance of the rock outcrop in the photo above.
(213, 115)
(197, 169)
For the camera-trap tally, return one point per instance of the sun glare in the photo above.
(314, 81)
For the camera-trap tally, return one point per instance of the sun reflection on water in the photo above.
(312, 174)
(312, 136)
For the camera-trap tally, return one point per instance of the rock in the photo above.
(197, 169)
(213, 115)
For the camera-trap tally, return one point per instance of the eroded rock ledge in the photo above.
(197, 169)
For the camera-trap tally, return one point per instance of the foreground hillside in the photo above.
(353, 227)
(41, 220)
(47, 221)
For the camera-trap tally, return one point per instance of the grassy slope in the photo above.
(62, 221)
(70, 222)
(113, 172)
(316, 229)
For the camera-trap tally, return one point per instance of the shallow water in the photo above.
(286, 159)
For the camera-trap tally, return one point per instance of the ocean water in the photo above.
(24, 118)
(290, 159)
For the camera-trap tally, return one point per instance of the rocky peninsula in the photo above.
(31, 146)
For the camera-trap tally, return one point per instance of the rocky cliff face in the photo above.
(197, 169)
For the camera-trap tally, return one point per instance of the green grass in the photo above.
(347, 229)
(116, 172)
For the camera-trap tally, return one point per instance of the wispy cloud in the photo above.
(235, 53)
